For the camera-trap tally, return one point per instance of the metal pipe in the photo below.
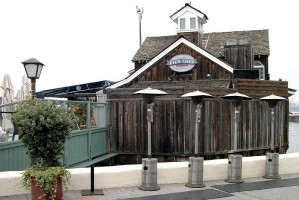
(272, 130)
(196, 140)
(149, 139)
(140, 32)
(139, 12)
(236, 130)
(92, 179)
(33, 81)
(197, 121)
(149, 130)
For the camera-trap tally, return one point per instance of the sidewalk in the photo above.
(252, 188)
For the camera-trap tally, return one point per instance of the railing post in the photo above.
(107, 118)
(65, 161)
(106, 114)
(89, 129)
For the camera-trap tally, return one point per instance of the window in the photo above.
(258, 65)
(192, 23)
(182, 24)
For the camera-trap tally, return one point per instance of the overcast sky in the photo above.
(82, 41)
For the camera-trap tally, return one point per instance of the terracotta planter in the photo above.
(36, 191)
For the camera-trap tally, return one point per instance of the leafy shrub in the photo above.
(44, 128)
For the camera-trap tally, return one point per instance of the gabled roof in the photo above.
(165, 52)
(152, 46)
(259, 40)
(188, 5)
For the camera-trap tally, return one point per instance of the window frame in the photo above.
(182, 25)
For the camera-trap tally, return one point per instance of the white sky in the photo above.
(83, 41)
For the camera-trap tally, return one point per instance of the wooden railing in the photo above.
(83, 146)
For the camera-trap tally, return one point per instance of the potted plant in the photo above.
(44, 128)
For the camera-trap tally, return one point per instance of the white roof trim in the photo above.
(166, 51)
(187, 8)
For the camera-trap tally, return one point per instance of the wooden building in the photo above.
(188, 61)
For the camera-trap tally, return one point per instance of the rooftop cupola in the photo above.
(190, 22)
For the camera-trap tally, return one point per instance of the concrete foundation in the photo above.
(169, 173)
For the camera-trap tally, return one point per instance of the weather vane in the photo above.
(139, 12)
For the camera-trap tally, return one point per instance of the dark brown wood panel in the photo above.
(161, 72)
(260, 88)
(239, 56)
(173, 127)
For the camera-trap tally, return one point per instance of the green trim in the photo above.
(95, 160)
(80, 149)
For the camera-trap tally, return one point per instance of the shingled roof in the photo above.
(259, 40)
(152, 46)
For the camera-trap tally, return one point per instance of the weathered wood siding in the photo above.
(161, 72)
(194, 37)
(239, 56)
(173, 127)
(261, 88)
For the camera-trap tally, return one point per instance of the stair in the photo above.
(205, 40)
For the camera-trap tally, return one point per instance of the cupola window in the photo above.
(192, 23)
(182, 24)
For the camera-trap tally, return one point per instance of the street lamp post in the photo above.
(149, 164)
(235, 160)
(272, 158)
(195, 171)
(33, 70)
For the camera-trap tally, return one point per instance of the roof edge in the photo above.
(164, 52)
(188, 5)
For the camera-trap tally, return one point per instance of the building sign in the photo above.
(181, 63)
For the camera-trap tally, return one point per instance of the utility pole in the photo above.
(139, 12)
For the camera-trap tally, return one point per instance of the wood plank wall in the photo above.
(173, 127)
(161, 72)
(239, 56)
(260, 88)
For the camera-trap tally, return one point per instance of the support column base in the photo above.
(272, 177)
(195, 185)
(234, 169)
(234, 181)
(144, 188)
(92, 193)
(195, 172)
(149, 175)
(272, 166)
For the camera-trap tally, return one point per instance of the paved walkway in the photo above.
(253, 188)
